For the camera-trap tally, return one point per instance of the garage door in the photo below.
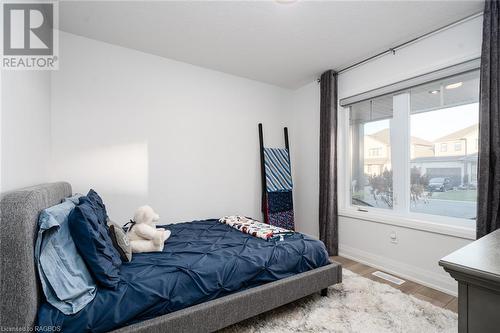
(455, 174)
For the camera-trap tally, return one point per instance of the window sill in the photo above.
(428, 225)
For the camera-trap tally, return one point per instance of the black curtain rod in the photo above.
(411, 41)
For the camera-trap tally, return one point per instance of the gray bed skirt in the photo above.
(21, 293)
(222, 312)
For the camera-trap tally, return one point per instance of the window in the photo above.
(371, 183)
(400, 161)
(374, 152)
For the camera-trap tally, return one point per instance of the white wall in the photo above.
(304, 152)
(25, 128)
(142, 129)
(417, 253)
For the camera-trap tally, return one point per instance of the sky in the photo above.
(435, 124)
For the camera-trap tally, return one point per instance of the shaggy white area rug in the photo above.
(357, 304)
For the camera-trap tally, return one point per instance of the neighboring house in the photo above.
(377, 151)
(459, 143)
(377, 155)
(455, 157)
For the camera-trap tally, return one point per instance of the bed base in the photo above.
(225, 311)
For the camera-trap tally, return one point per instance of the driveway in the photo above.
(453, 208)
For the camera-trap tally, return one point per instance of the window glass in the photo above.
(438, 126)
(371, 170)
(444, 137)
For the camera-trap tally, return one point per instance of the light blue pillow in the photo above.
(65, 279)
(74, 199)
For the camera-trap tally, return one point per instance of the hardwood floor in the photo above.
(433, 296)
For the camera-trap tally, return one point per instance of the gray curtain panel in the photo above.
(328, 217)
(488, 201)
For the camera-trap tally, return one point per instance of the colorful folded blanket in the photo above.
(255, 228)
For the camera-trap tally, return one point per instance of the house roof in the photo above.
(452, 158)
(384, 137)
(458, 134)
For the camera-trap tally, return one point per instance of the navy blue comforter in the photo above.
(202, 260)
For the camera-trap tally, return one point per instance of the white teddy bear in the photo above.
(143, 234)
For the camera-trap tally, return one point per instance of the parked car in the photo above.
(439, 184)
(470, 186)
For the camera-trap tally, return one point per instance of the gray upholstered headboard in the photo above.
(19, 285)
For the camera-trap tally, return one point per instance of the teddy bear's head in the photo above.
(147, 215)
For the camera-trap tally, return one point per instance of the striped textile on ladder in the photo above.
(278, 173)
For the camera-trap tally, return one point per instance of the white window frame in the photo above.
(400, 215)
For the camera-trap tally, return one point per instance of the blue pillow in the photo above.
(102, 216)
(99, 206)
(94, 244)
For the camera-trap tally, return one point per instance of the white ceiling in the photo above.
(285, 44)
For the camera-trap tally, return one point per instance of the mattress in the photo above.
(201, 261)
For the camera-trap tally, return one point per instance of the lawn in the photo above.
(465, 195)
(457, 195)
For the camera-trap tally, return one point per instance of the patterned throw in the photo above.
(284, 219)
(280, 201)
(255, 228)
(278, 210)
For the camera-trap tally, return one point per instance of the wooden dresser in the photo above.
(476, 267)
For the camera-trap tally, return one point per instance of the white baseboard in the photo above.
(424, 277)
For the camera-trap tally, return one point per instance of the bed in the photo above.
(201, 294)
